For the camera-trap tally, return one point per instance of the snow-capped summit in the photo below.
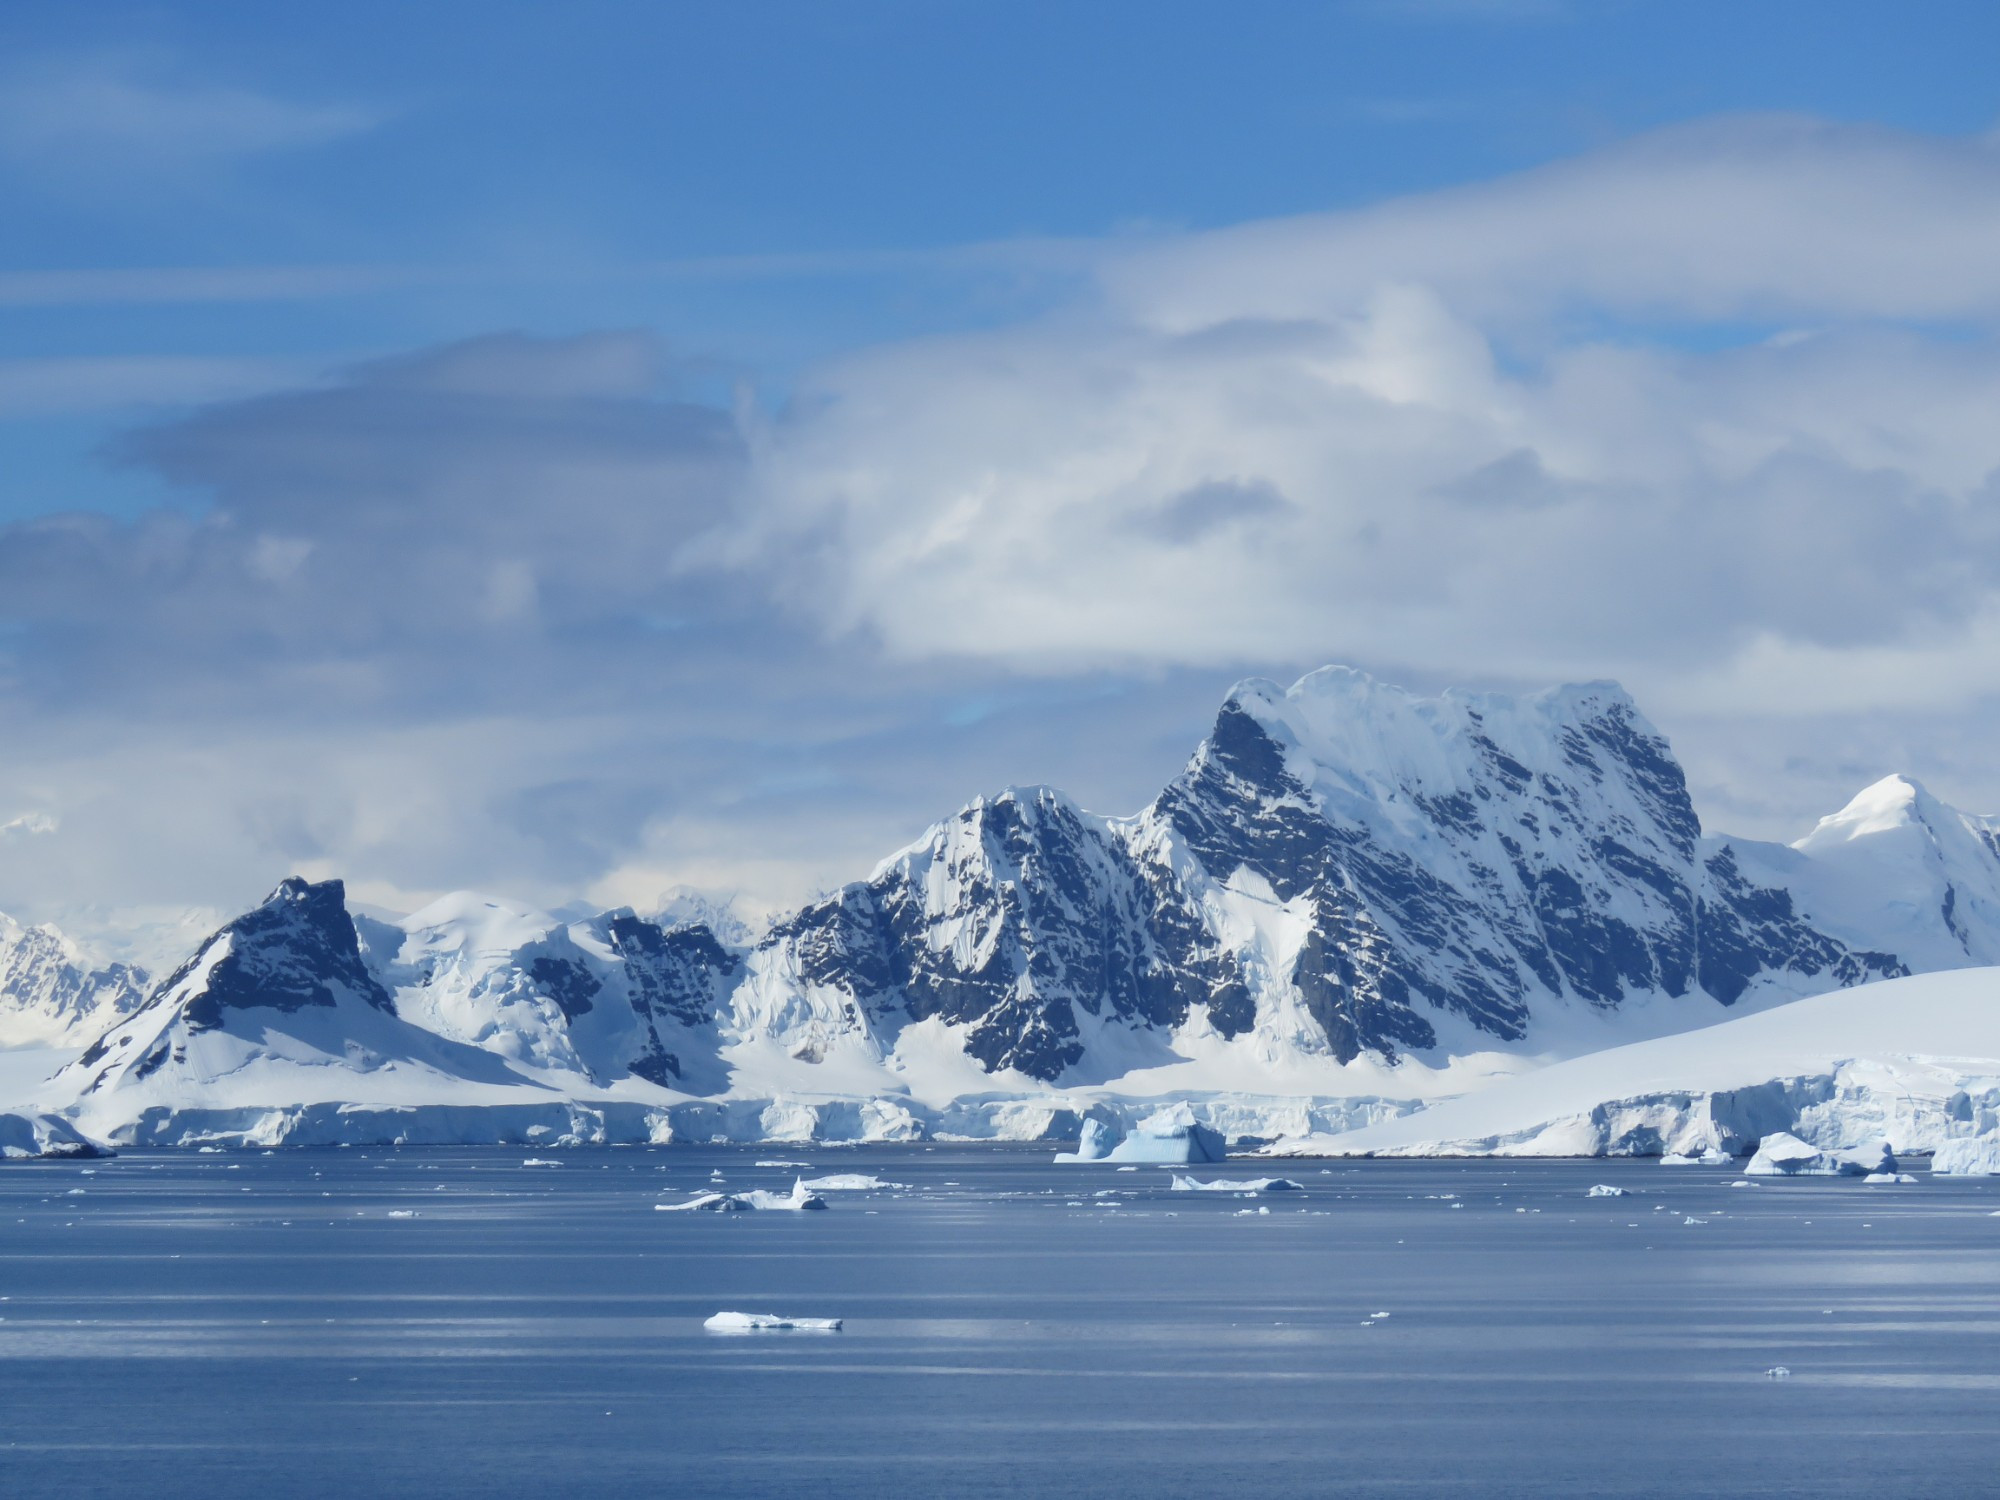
(284, 984)
(1905, 871)
(51, 992)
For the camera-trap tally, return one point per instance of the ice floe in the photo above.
(800, 1199)
(1781, 1154)
(1237, 1185)
(742, 1322)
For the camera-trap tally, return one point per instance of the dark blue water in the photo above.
(250, 1325)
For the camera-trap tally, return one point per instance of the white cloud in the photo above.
(1516, 430)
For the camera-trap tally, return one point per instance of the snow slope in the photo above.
(1914, 1060)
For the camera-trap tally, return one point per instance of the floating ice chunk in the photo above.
(1244, 1185)
(741, 1322)
(540, 1161)
(794, 1164)
(712, 1203)
(1170, 1136)
(25, 1137)
(1783, 1155)
(1605, 1190)
(1709, 1158)
(1093, 1144)
(1888, 1177)
(800, 1197)
(402, 1213)
(1969, 1156)
(1691, 1219)
(1778, 1372)
(850, 1182)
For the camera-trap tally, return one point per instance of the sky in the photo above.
(579, 451)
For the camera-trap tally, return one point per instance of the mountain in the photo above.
(274, 1006)
(610, 996)
(1896, 869)
(1352, 898)
(53, 993)
(1342, 870)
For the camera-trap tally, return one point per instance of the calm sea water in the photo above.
(257, 1325)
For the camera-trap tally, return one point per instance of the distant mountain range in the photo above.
(1350, 892)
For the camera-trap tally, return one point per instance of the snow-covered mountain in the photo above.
(1350, 893)
(51, 993)
(1343, 870)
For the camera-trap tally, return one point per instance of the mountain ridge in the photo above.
(1348, 890)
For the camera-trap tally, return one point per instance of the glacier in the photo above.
(1356, 911)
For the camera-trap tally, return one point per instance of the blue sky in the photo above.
(488, 444)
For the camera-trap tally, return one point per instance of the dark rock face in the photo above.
(1748, 930)
(285, 955)
(674, 979)
(1019, 916)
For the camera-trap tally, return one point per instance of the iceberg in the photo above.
(799, 1199)
(1781, 1154)
(848, 1182)
(1245, 1185)
(711, 1203)
(1605, 1190)
(27, 1137)
(1968, 1156)
(741, 1322)
(1167, 1137)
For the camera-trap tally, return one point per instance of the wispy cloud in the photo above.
(141, 111)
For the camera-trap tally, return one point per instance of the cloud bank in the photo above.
(1709, 410)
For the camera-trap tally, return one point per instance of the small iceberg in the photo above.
(796, 1164)
(1167, 1137)
(25, 1137)
(799, 1199)
(1709, 1158)
(1968, 1156)
(1783, 1155)
(540, 1161)
(1890, 1177)
(1605, 1190)
(709, 1203)
(849, 1182)
(1244, 1185)
(741, 1322)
